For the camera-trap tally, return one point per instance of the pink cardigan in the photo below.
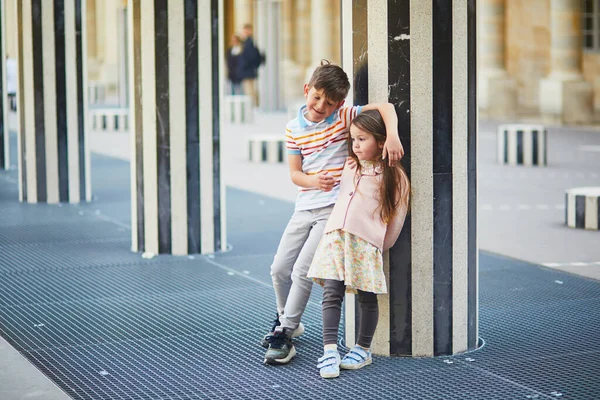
(357, 210)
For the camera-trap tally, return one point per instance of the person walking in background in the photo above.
(250, 60)
(234, 54)
(365, 221)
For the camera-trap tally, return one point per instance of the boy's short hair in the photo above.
(331, 79)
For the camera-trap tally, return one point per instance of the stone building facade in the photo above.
(538, 59)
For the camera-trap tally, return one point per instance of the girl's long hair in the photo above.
(394, 190)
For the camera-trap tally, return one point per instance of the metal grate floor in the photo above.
(103, 323)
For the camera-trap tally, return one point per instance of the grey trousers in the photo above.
(292, 261)
(368, 313)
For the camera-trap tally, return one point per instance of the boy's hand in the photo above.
(324, 181)
(393, 149)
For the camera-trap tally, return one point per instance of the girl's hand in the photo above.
(350, 162)
(393, 150)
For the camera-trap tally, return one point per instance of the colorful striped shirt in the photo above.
(323, 147)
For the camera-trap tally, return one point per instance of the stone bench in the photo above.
(267, 149)
(109, 119)
(583, 208)
(520, 144)
(238, 109)
(96, 92)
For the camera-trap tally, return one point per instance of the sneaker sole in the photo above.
(368, 361)
(278, 361)
(330, 375)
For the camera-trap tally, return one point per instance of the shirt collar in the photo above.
(302, 120)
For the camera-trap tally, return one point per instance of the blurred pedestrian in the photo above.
(234, 55)
(249, 62)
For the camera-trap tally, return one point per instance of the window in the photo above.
(590, 24)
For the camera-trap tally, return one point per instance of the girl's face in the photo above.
(364, 144)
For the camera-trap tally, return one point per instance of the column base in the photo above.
(498, 97)
(566, 101)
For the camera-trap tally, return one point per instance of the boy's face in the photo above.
(318, 107)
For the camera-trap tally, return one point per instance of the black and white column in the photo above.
(53, 150)
(4, 133)
(421, 56)
(178, 201)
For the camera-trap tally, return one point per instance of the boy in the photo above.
(317, 150)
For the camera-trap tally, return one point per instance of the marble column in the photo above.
(177, 198)
(322, 38)
(4, 132)
(497, 90)
(564, 95)
(421, 56)
(243, 13)
(54, 159)
(267, 34)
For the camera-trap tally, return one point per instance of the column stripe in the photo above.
(39, 159)
(421, 150)
(442, 175)
(177, 119)
(591, 207)
(60, 17)
(85, 186)
(49, 100)
(534, 147)
(163, 122)
(472, 110)
(399, 59)
(192, 125)
(205, 78)
(136, 124)
(4, 134)
(460, 176)
(22, 94)
(71, 138)
(216, 126)
(527, 148)
(347, 38)
(148, 86)
(378, 70)
(579, 211)
(505, 146)
(520, 147)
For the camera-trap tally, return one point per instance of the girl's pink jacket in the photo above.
(357, 209)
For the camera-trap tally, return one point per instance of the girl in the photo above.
(365, 221)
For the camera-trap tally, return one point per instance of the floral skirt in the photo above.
(345, 257)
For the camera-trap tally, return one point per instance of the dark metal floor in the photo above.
(103, 323)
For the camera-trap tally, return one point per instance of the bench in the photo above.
(267, 149)
(521, 144)
(110, 119)
(238, 109)
(583, 208)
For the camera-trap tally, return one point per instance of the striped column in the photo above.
(178, 201)
(583, 208)
(4, 133)
(522, 145)
(54, 158)
(420, 55)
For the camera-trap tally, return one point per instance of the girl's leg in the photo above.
(368, 315)
(333, 295)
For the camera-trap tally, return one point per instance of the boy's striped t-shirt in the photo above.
(323, 147)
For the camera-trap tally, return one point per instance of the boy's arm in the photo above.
(393, 148)
(321, 180)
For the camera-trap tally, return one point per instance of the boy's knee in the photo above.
(280, 272)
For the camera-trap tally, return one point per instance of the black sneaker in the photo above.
(281, 349)
(297, 332)
(265, 340)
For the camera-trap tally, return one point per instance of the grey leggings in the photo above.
(368, 313)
